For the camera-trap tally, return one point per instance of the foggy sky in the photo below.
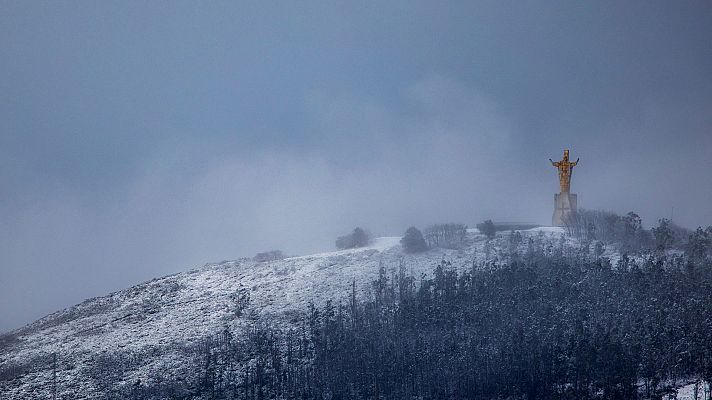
(141, 139)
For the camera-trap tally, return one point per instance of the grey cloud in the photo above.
(139, 140)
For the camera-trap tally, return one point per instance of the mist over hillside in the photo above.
(619, 316)
(139, 138)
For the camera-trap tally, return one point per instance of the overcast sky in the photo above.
(139, 139)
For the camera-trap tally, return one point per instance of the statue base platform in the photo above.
(564, 204)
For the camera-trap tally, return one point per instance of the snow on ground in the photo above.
(183, 308)
(687, 392)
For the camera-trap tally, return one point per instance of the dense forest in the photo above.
(545, 322)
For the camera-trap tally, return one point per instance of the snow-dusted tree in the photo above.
(699, 244)
(358, 238)
(599, 249)
(487, 228)
(515, 239)
(413, 241)
(664, 235)
(446, 235)
(272, 255)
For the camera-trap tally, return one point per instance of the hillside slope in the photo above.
(157, 320)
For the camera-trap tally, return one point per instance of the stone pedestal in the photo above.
(564, 204)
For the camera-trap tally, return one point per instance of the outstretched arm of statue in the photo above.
(554, 163)
(573, 164)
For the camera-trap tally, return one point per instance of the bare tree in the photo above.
(446, 235)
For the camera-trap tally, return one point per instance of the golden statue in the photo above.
(565, 167)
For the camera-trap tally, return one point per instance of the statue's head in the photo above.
(566, 154)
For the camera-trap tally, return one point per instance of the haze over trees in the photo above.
(358, 238)
(626, 233)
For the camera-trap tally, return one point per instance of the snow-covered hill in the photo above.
(164, 315)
